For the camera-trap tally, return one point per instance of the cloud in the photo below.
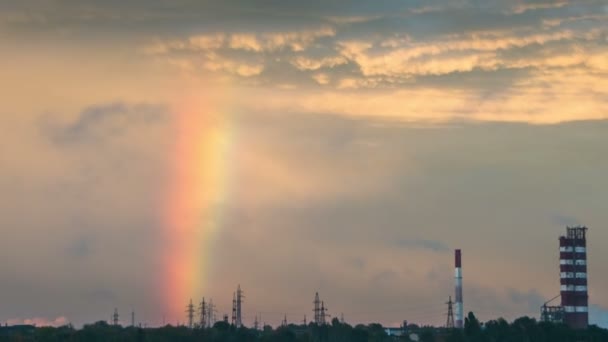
(432, 245)
(40, 321)
(80, 248)
(532, 298)
(115, 117)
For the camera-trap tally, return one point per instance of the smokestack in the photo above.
(573, 277)
(459, 321)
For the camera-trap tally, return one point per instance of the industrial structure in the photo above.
(190, 313)
(320, 311)
(459, 315)
(239, 306)
(573, 277)
(115, 317)
(574, 309)
(450, 321)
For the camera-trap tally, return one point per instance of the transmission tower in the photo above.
(239, 306)
(132, 318)
(233, 309)
(115, 317)
(284, 322)
(317, 309)
(450, 322)
(323, 311)
(190, 312)
(203, 313)
(211, 313)
(304, 321)
(256, 323)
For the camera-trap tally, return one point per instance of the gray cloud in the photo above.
(435, 246)
(115, 117)
(533, 299)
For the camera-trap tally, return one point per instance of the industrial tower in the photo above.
(190, 312)
(459, 317)
(317, 309)
(203, 313)
(115, 317)
(239, 306)
(450, 322)
(573, 277)
(233, 322)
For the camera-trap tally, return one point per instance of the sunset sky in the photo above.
(153, 151)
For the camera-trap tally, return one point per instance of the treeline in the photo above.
(523, 329)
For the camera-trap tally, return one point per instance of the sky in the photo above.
(156, 151)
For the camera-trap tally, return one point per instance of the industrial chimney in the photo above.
(573, 277)
(459, 324)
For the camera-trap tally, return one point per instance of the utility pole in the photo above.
(450, 322)
(304, 321)
(115, 317)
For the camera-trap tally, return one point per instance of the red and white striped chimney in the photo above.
(459, 315)
(573, 277)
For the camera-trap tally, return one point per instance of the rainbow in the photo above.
(198, 186)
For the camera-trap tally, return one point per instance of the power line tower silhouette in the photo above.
(450, 322)
(132, 318)
(210, 313)
(323, 315)
(115, 317)
(284, 322)
(317, 309)
(203, 313)
(233, 309)
(190, 312)
(239, 307)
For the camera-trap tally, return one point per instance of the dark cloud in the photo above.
(115, 117)
(80, 247)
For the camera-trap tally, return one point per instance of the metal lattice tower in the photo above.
(317, 309)
(256, 323)
(239, 307)
(323, 315)
(450, 322)
(203, 313)
(115, 317)
(233, 309)
(133, 318)
(211, 313)
(190, 312)
(284, 322)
